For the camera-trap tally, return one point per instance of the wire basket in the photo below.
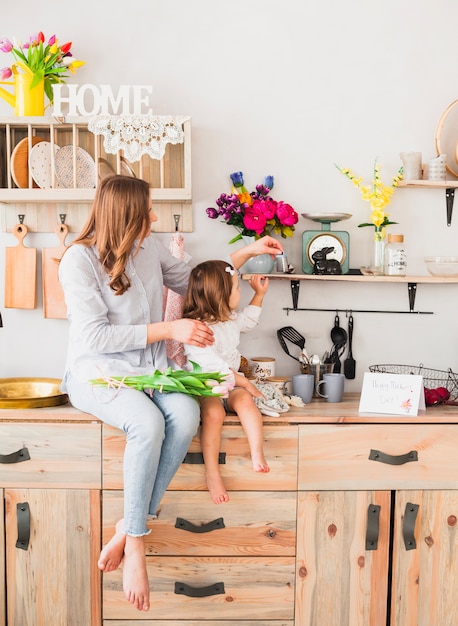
(431, 378)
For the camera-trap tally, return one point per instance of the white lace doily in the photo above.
(137, 135)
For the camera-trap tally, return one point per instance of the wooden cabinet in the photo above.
(234, 561)
(377, 525)
(50, 481)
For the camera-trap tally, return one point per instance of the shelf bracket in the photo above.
(412, 289)
(449, 198)
(295, 293)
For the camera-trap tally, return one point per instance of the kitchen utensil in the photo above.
(53, 295)
(291, 334)
(350, 363)
(339, 339)
(20, 273)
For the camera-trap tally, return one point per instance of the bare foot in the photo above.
(112, 554)
(134, 575)
(217, 490)
(259, 463)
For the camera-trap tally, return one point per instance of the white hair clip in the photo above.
(230, 271)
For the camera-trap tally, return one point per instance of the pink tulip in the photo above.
(5, 73)
(5, 45)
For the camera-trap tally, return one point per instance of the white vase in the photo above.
(261, 264)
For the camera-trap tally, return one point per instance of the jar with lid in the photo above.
(395, 256)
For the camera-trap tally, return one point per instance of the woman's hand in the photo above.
(188, 331)
(265, 245)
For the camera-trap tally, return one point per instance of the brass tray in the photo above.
(30, 393)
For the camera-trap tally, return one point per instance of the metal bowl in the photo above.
(30, 393)
(442, 265)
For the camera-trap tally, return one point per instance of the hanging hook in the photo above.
(62, 217)
(176, 217)
(21, 218)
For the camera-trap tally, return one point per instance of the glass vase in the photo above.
(378, 253)
(261, 264)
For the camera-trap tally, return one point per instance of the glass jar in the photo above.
(395, 256)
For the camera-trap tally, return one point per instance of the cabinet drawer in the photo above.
(280, 449)
(251, 523)
(51, 455)
(238, 622)
(391, 456)
(245, 588)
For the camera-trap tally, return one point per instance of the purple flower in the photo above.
(212, 213)
(5, 45)
(5, 73)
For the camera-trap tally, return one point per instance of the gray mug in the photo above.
(303, 386)
(333, 387)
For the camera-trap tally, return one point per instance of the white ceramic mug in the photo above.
(334, 387)
(263, 367)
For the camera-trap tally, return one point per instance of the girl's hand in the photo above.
(242, 381)
(259, 284)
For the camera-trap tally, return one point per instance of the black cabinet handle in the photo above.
(185, 524)
(197, 458)
(389, 459)
(23, 525)
(199, 592)
(408, 525)
(372, 528)
(15, 457)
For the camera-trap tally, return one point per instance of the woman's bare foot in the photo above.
(217, 490)
(112, 554)
(134, 575)
(259, 463)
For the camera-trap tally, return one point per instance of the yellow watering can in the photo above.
(24, 100)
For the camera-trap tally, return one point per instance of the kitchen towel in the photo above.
(173, 302)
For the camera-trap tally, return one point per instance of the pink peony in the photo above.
(286, 214)
(254, 218)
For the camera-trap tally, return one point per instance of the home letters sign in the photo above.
(91, 99)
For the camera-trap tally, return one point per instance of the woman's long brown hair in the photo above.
(209, 291)
(119, 216)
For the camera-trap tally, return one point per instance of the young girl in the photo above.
(213, 296)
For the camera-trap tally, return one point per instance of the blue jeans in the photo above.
(158, 431)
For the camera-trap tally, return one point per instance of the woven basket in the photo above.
(431, 378)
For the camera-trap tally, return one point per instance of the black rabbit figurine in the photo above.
(322, 265)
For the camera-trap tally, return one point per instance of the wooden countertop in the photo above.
(317, 412)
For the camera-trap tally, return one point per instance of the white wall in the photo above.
(283, 88)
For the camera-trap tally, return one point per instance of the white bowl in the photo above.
(442, 265)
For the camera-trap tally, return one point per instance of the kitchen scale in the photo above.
(313, 240)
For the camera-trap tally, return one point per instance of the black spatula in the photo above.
(290, 333)
(350, 363)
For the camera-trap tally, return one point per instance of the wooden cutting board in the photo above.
(53, 295)
(20, 162)
(20, 273)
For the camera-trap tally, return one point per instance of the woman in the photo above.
(113, 276)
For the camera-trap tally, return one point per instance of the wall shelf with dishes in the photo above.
(50, 166)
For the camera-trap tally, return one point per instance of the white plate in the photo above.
(326, 217)
(86, 175)
(40, 164)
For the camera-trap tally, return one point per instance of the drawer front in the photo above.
(280, 449)
(244, 588)
(189, 523)
(238, 622)
(51, 455)
(391, 456)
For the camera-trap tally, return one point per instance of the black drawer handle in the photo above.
(197, 458)
(185, 524)
(408, 525)
(389, 459)
(372, 529)
(15, 457)
(199, 592)
(23, 525)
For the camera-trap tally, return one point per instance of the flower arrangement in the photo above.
(193, 383)
(378, 195)
(254, 214)
(49, 61)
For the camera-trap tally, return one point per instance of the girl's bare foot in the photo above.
(217, 490)
(259, 463)
(112, 554)
(134, 575)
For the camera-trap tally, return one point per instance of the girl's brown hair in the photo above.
(209, 291)
(119, 216)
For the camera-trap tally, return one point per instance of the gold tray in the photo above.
(30, 393)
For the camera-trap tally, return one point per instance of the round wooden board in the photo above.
(20, 162)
